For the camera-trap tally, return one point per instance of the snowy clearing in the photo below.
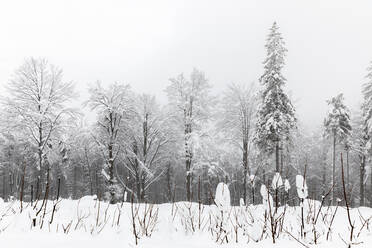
(182, 224)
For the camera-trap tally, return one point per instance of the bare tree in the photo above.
(191, 101)
(149, 138)
(37, 102)
(114, 107)
(237, 117)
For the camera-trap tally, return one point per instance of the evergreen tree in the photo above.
(365, 137)
(276, 114)
(367, 105)
(359, 139)
(337, 126)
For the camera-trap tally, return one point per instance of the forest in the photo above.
(234, 167)
(181, 150)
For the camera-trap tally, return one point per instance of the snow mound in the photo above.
(277, 181)
(301, 187)
(222, 198)
(287, 185)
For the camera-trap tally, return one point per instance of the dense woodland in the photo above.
(139, 149)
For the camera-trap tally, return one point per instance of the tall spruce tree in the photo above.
(337, 126)
(367, 105)
(276, 114)
(367, 123)
(359, 139)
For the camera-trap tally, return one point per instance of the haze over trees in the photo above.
(244, 136)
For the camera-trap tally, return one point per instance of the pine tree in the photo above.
(337, 126)
(366, 128)
(359, 139)
(367, 105)
(276, 114)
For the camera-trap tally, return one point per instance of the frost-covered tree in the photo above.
(337, 126)
(149, 138)
(115, 109)
(189, 101)
(276, 114)
(237, 122)
(367, 104)
(365, 127)
(37, 105)
(359, 141)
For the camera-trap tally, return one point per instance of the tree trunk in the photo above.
(74, 184)
(169, 182)
(143, 187)
(138, 186)
(334, 167)
(371, 191)
(4, 184)
(188, 151)
(188, 181)
(277, 159)
(324, 176)
(347, 171)
(362, 171)
(97, 182)
(245, 167)
(111, 174)
(145, 141)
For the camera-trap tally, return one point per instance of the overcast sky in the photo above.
(144, 43)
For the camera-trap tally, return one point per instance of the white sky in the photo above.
(146, 42)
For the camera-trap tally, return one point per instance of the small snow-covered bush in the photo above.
(277, 181)
(222, 198)
(301, 187)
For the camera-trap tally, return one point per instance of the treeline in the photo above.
(156, 153)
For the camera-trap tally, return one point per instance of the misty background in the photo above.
(144, 43)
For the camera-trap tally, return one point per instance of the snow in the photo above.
(105, 174)
(301, 187)
(222, 198)
(252, 179)
(95, 224)
(287, 185)
(241, 202)
(277, 181)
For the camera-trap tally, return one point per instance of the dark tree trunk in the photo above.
(246, 170)
(145, 141)
(143, 187)
(362, 171)
(334, 167)
(74, 185)
(169, 182)
(111, 174)
(188, 152)
(138, 186)
(371, 190)
(97, 183)
(4, 185)
(347, 171)
(324, 173)
(277, 158)
(188, 180)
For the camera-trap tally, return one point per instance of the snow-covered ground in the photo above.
(89, 223)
